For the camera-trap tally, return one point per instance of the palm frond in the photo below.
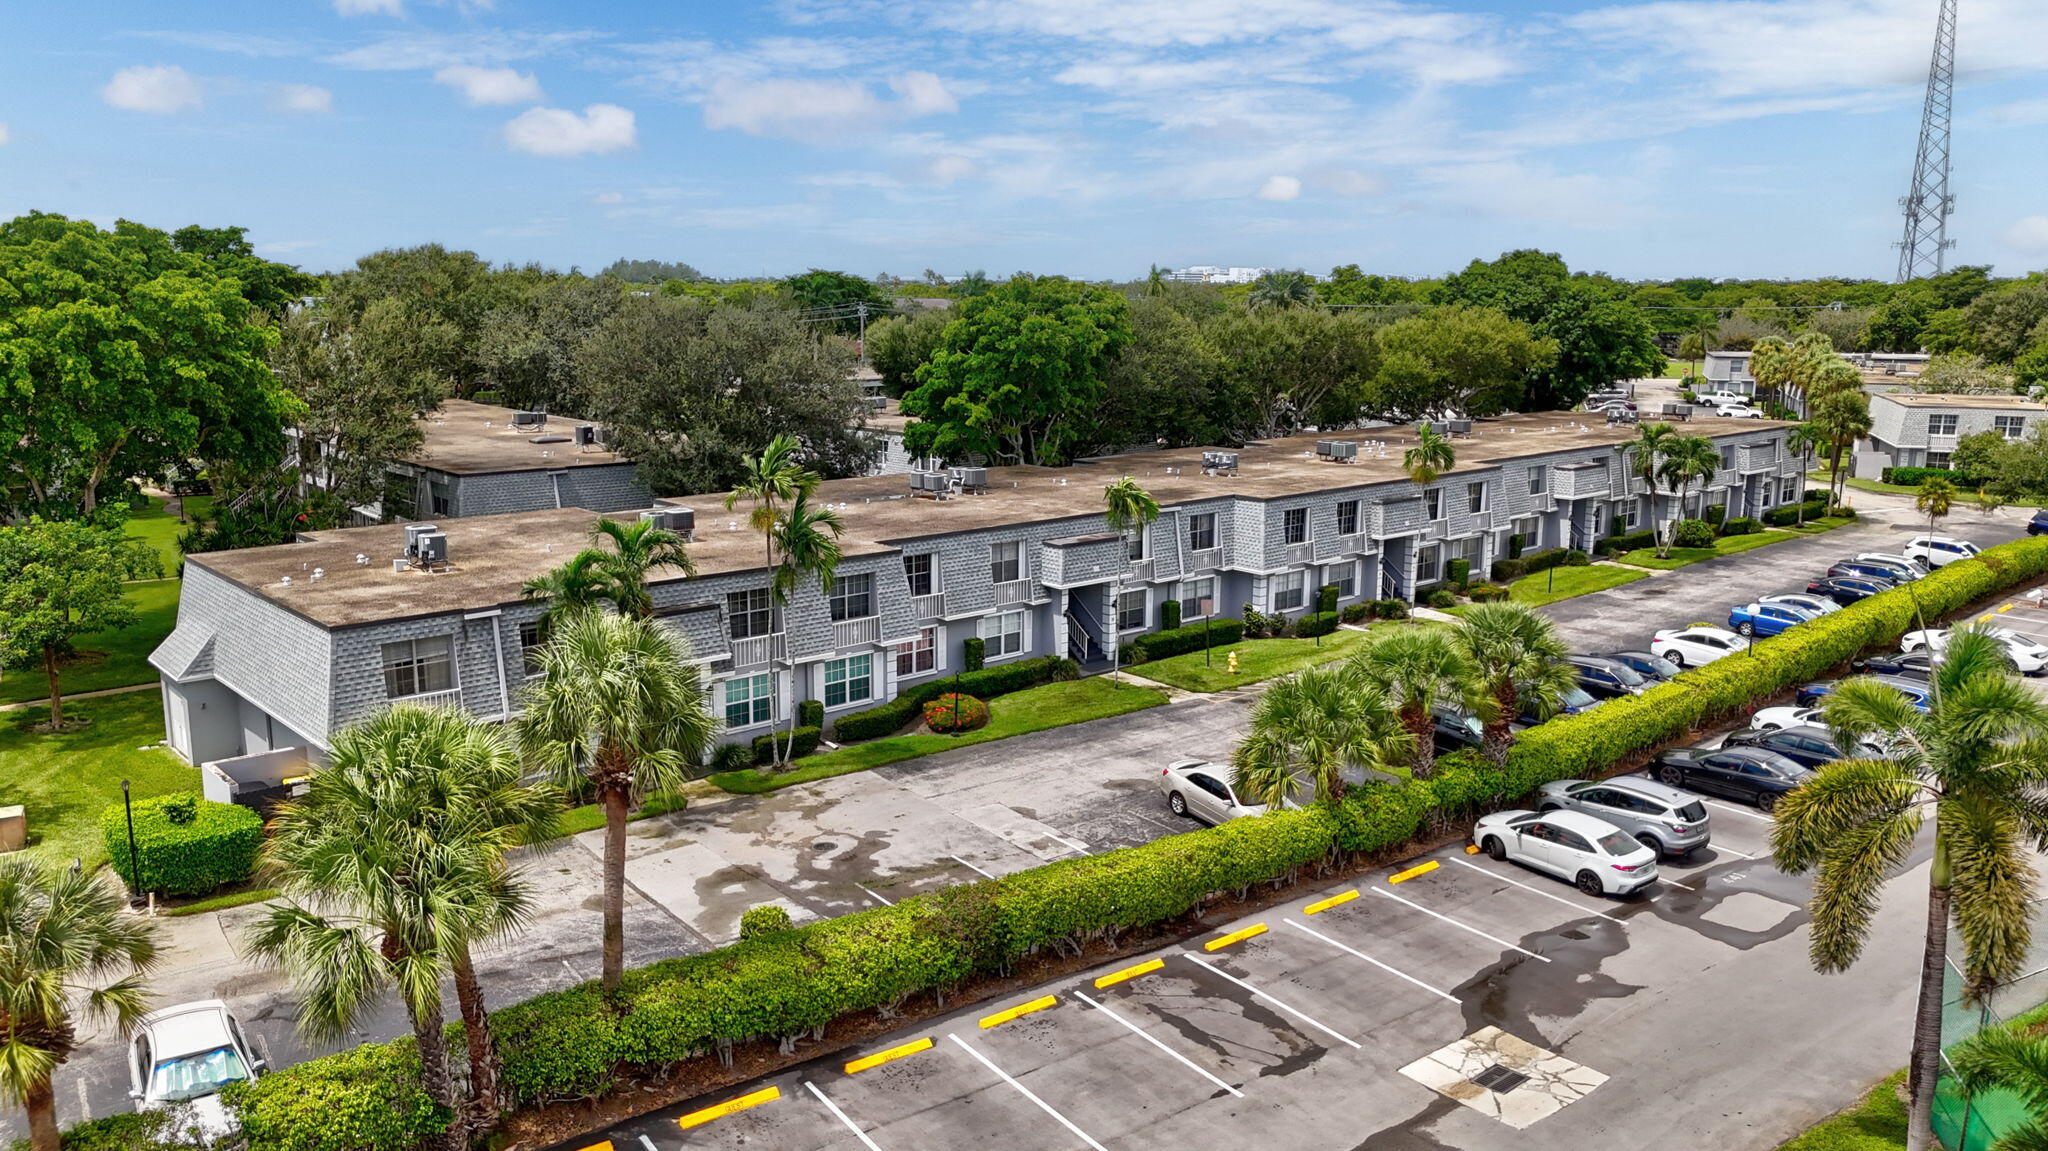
(1992, 881)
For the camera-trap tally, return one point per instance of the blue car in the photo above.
(1917, 692)
(1766, 618)
(2039, 523)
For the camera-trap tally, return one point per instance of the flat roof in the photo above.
(1952, 400)
(490, 557)
(464, 437)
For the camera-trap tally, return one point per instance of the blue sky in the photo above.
(1085, 137)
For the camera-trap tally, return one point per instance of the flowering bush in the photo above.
(955, 711)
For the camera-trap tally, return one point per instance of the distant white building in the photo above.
(1920, 429)
(1210, 274)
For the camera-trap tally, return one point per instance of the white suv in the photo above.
(1939, 551)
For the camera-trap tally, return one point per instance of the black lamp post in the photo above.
(1208, 609)
(134, 858)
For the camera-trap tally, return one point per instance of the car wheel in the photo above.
(1589, 883)
(1746, 629)
(1651, 842)
(1494, 847)
(1676, 658)
(1179, 805)
(1669, 773)
(1767, 801)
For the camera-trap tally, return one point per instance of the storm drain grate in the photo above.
(1499, 1079)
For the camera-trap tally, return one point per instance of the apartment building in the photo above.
(276, 648)
(1920, 429)
(1729, 371)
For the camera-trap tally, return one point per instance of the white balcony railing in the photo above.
(1014, 592)
(757, 650)
(928, 606)
(1208, 559)
(1144, 570)
(1300, 553)
(857, 632)
(450, 698)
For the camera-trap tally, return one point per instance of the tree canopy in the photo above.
(1600, 337)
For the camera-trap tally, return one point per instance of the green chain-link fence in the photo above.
(1973, 1124)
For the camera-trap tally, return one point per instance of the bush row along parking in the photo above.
(577, 1044)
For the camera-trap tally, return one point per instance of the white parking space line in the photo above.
(1026, 1092)
(970, 867)
(1756, 815)
(1462, 926)
(1550, 895)
(1154, 1041)
(841, 1116)
(1720, 847)
(1663, 877)
(872, 895)
(84, 1104)
(648, 1143)
(1258, 994)
(1437, 991)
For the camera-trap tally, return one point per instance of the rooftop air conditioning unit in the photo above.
(529, 419)
(586, 435)
(413, 532)
(971, 479)
(1323, 448)
(433, 548)
(877, 402)
(1219, 461)
(1461, 427)
(1343, 451)
(682, 521)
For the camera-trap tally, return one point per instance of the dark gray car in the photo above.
(1664, 819)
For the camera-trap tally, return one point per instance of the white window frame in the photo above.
(1006, 556)
(1134, 549)
(1200, 524)
(1349, 568)
(1631, 513)
(1124, 608)
(1475, 497)
(924, 649)
(931, 573)
(1947, 419)
(2011, 427)
(847, 678)
(417, 665)
(748, 596)
(1355, 509)
(1940, 459)
(1290, 585)
(759, 701)
(996, 635)
(1425, 573)
(1537, 478)
(845, 598)
(1433, 503)
(1290, 520)
(1191, 604)
(539, 630)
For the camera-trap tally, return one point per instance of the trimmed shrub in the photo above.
(1311, 626)
(1615, 545)
(1616, 526)
(186, 845)
(732, 757)
(1169, 614)
(1487, 593)
(1574, 558)
(1714, 514)
(153, 1130)
(364, 1099)
(986, 683)
(1356, 612)
(1515, 546)
(953, 712)
(1741, 526)
(807, 739)
(1259, 625)
(488, 396)
(1508, 570)
(1812, 509)
(1441, 598)
(1693, 534)
(1161, 644)
(1914, 477)
(1389, 609)
(973, 653)
(811, 713)
(1459, 573)
(1326, 598)
(765, 919)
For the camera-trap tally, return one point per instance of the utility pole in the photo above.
(861, 309)
(1927, 203)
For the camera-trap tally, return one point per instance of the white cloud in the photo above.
(1348, 182)
(560, 132)
(795, 109)
(924, 94)
(409, 51)
(306, 98)
(159, 89)
(2029, 236)
(487, 86)
(370, 7)
(1280, 188)
(608, 198)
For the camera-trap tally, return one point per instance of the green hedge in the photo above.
(153, 1130)
(1914, 477)
(574, 1044)
(1169, 614)
(986, 683)
(806, 742)
(1741, 526)
(1161, 644)
(1311, 626)
(811, 713)
(1510, 570)
(1811, 509)
(214, 846)
(1615, 545)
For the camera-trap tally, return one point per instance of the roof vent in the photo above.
(1219, 463)
(529, 420)
(586, 435)
(682, 521)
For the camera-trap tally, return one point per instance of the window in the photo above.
(1130, 610)
(1135, 547)
(1941, 425)
(1201, 531)
(749, 700)
(1788, 492)
(1469, 549)
(1290, 591)
(1002, 634)
(1192, 593)
(438, 498)
(1631, 513)
(1938, 459)
(1475, 498)
(1429, 564)
(853, 597)
(2011, 427)
(532, 634)
(1433, 503)
(419, 666)
(1536, 479)
(849, 680)
(749, 613)
(1294, 525)
(1728, 459)
(1343, 577)
(919, 655)
(918, 570)
(1006, 562)
(1347, 518)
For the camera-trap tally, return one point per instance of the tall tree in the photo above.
(1018, 377)
(638, 549)
(1839, 418)
(618, 707)
(122, 356)
(1645, 455)
(1600, 338)
(1471, 361)
(578, 585)
(1167, 384)
(1281, 369)
(59, 581)
(527, 348)
(807, 546)
(69, 946)
(1688, 460)
(1972, 765)
(838, 300)
(1307, 729)
(1419, 669)
(1432, 456)
(650, 271)
(1283, 289)
(899, 345)
(774, 479)
(1518, 657)
(271, 288)
(2012, 1058)
(352, 416)
(1934, 499)
(1129, 509)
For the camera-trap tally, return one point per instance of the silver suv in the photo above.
(1662, 818)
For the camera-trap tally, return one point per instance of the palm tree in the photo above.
(1431, 456)
(1418, 668)
(1308, 728)
(1644, 454)
(772, 480)
(63, 935)
(1840, 418)
(1934, 499)
(808, 539)
(1805, 439)
(579, 584)
(1128, 507)
(1973, 764)
(425, 781)
(638, 547)
(2012, 1059)
(1155, 281)
(1689, 460)
(1519, 661)
(1283, 289)
(618, 707)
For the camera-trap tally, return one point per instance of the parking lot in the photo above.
(1356, 1016)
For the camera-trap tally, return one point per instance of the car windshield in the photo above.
(1629, 676)
(190, 1076)
(1660, 665)
(1575, 697)
(1618, 843)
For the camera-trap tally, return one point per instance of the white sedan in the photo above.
(1738, 412)
(1596, 856)
(1817, 604)
(1693, 646)
(1198, 788)
(2028, 656)
(1786, 715)
(184, 1055)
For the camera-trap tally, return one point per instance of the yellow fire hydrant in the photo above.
(1233, 663)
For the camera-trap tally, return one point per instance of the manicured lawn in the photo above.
(1823, 524)
(1725, 546)
(66, 781)
(1819, 479)
(1257, 659)
(161, 526)
(115, 658)
(1876, 1123)
(1033, 709)
(1565, 582)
